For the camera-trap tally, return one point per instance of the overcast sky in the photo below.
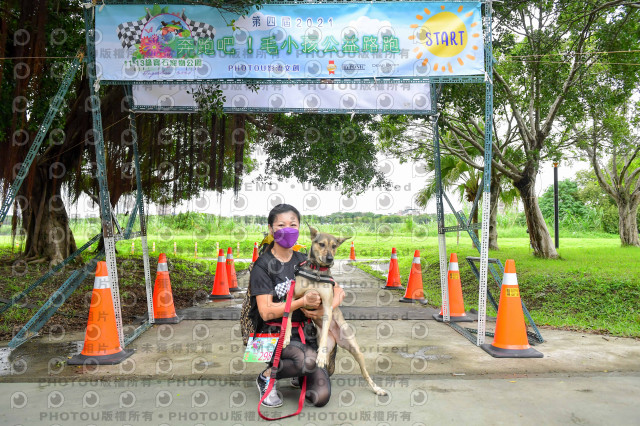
(408, 178)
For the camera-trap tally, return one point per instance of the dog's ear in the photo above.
(342, 240)
(313, 231)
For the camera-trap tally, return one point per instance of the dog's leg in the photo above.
(323, 352)
(346, 339)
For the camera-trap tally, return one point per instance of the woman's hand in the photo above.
(311, 300)
(314, 314)
(338, 295)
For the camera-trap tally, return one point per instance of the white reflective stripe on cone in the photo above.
(229, 256)
(394, 256)
(100, 283)
(416, 260)
(221, 259)
(163, 267)
(510, 279)
(453, 266)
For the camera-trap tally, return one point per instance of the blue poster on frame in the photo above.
(284, 42)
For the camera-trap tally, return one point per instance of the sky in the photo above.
(408, 179)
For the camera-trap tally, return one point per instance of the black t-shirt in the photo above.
(267, 272)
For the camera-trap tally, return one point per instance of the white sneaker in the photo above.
(272, 400)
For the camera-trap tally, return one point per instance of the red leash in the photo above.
(276, 359)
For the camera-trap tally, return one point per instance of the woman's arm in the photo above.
(270, 310)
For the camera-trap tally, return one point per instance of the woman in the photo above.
(276, 266)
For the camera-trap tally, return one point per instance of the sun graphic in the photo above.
(445, 35)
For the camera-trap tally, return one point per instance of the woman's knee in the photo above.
(319, 388)
(310, 357)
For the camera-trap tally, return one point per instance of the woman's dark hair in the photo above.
(280, 208)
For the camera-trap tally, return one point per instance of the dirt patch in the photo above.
(190, 282)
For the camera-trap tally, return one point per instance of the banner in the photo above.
(295, 41)
(380, 98)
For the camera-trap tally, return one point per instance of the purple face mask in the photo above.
(286, 237)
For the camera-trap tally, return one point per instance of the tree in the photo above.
(543, 50)
(570, 207)
(323, 150)
(592, 195)
(181, 156)
(608, 134)
(619, 176)
(456, 176)
(31, 32)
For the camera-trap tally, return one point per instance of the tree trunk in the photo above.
(493, 216)
(541, 241)
(474, 218)
(45, 220)
(628, 223)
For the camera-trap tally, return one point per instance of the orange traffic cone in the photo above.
(164, 312)
(414, 291)
(352, 255)
(510, 339)
(456, 303)
(231, 272)
(101, 342)
(393, 279)
(220, 282)
(255, 252)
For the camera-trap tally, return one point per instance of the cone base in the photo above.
(421, 301)
(220, 296)
(458, 318)
(391, 287)
(172, 320)
(235, 289)
(511, 353)
(112, 359)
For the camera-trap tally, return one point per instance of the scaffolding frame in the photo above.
(108, 219)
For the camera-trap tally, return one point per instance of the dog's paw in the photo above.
(379, 391)
(321, 360)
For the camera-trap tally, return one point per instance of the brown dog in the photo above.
(316, 275)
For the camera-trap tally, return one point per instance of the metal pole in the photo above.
(555, 205)
(442, 239)
(486, 197)
(105, 203)
(140, 203)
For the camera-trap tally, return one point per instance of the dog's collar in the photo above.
(315, 275)
(319, 268)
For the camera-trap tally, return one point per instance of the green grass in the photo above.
(594, 286)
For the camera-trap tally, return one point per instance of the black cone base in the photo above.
(232, 290)
(386, 287)
(112, 359)
(510, 353)
(174, 320)
(438, 317)
(220, 297)
(420, 301)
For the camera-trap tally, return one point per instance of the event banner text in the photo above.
(141, 43)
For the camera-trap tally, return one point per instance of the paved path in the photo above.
(583, 378)
(583, 400)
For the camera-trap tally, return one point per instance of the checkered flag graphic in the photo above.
(199, 29)
(129, 33)
(282, 289)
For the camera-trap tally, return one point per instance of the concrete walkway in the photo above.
(583, 378)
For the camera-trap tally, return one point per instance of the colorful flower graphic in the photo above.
(153, 47)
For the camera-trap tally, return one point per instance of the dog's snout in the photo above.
(329, 258)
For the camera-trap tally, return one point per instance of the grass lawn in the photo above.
(594, 286)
